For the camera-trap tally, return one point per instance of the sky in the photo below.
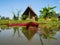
(9, 6)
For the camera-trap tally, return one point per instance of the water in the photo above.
(47, 35)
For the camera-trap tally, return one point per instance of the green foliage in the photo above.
(7, 18)
(24, 17)
(54, 19)
(59, 18)
(47, 12)
(36, 18)
(16, 17)
(42, 20)
(4, 18)
(3, 22)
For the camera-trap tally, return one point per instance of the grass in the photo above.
(4, 22)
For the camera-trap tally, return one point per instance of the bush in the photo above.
(54, 19)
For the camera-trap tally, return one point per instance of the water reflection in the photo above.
(16, 30)
(45, 32)
(28, 33)
(3, 27)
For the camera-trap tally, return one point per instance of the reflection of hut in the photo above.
(28, 13)
(29, 33)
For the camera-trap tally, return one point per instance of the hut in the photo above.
(29, 14)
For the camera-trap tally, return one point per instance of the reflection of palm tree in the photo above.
(41, 40)
(16, 29)
(28, 33)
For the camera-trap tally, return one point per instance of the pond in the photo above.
(44, 35)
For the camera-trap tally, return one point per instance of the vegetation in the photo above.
(24, 17)
(47, 12)
(47, 15)
(16, 17)
(48, 24)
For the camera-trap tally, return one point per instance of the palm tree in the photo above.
(18, 13)
(16, 17)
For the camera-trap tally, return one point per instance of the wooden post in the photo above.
(29, 14)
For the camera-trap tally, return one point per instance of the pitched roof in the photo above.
(29, 9)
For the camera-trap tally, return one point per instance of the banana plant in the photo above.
(47, 12)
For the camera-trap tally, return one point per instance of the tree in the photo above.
(36, 18)
(7, 18)
(18, 13)
(3, 18)
(0, 17)
(24, 17)
(47, 12)
(16, 17)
